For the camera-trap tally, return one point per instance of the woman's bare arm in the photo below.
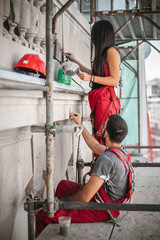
(113, 60)
(82, 67)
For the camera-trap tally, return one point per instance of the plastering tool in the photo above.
(70, 68)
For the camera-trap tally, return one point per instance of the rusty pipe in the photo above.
(148, 19)
(31, 219)
(135, 164)
(132, 50)
(122, 13)
(145, 164)
(110, 206)
(135, 16)
(80, 167)
(126, 23)
(92, 11)
(29, 206)
(61, 10)
(142, 147)
(49, 109)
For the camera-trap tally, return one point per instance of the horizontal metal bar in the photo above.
(126, 40)
(123, 98)
(12, 86)
(135, 164)
(122, 13)
(72, 90)
(139, 147)
(38, 129)
(126, 48)
(145, 164)
(87, 164)
(110, 206)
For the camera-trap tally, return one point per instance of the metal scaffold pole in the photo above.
(49, 109)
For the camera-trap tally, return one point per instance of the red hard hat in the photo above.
(32, 62)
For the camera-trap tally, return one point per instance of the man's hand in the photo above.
(76, 117)
(92, 143)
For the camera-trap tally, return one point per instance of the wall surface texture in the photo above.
(22, 152)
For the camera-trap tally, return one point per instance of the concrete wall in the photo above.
(22, 153)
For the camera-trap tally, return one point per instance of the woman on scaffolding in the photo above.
(103, 77)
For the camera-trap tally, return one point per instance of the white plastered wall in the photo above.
(22, 153)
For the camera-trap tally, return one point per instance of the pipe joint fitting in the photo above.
(56, 204)
(80, 164)
(56, 128)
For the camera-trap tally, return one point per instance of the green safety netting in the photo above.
(129, 101)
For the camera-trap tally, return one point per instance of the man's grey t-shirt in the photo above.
(109, 167)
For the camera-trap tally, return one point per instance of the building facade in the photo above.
(153, 93)
(23, 104)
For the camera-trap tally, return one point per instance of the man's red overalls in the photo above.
(67, 188)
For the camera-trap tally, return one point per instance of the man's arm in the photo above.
(89, 190)
(92, 143)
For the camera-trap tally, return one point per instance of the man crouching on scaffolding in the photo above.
(110, 180)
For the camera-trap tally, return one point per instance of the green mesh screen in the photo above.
(129, 102)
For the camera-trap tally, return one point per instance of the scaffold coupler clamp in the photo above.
(80, 163)
(57, 128)
(33, 203)
(56, 204)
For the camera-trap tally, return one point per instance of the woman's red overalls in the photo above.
(103, 103)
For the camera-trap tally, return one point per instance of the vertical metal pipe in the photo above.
(127, 4)
(92, 10)
(80, 169)
(31, 218)
(138, 90)
(49, 109)
(112, 5)
(81, 6)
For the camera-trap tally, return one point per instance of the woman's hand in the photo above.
(76, 117)
(84, 76)
(70, 56)
(83, 68)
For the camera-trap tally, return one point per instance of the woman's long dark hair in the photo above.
(102, 38)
